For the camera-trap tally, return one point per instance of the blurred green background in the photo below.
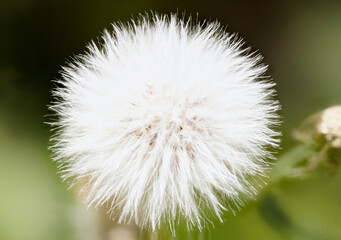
(300, 40)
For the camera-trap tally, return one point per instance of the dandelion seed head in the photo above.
(165, 120)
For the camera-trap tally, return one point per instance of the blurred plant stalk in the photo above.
(94, 223)
(319, 147)
(318, 151)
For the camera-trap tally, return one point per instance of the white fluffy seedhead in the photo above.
(166, 120)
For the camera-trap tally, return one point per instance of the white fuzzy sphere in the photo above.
(167, 120)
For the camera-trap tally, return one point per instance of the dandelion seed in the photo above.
(166, 120)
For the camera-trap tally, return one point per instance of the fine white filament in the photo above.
(167, 120)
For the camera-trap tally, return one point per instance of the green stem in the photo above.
(285, 165)
(166, 235)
